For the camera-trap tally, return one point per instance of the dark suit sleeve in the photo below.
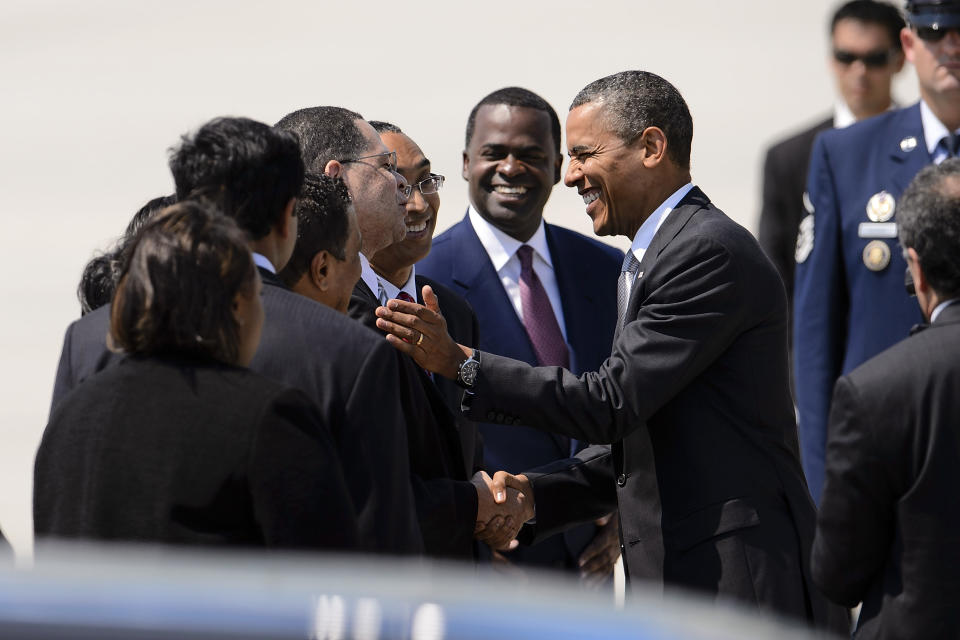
(691, 312)
(300, 497)
(64, 381)
(855, 520)
(569, 492)
(376, 426)
(820, 312)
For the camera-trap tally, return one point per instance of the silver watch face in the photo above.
(468, 372)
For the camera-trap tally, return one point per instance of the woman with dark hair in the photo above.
(180, 442)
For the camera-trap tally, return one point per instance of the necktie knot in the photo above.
(406, 297)
(525, 256)
(951, 144)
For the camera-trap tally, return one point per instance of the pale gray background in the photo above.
(94, 93)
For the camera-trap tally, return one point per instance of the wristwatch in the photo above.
(467, 371)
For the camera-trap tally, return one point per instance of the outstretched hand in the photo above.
(420, 331)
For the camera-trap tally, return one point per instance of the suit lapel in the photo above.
(474, 275)
(676, 220)
(577, 296)
(270, 278)
(906, 164)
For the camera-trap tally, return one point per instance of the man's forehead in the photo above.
(587, 124)
(374, 143)
(500, 123)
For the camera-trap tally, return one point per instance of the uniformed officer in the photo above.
(850, 300)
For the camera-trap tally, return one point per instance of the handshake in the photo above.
(504, 504)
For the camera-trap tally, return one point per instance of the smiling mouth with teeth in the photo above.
(416, 228)
(590, 196)
(512, 191)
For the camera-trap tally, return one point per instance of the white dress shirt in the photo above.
(502, 250)
(650, 226)
(263, 261)
(370, 278)
(933, 132)
(940, 307)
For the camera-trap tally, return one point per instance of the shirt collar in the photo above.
(410, 286)
(369, 276)
(264, 263)
(649, 227)
(933, 129)
(842, 115)
(501, 247)
(939, 308)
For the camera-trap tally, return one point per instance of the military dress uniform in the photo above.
(850, 302)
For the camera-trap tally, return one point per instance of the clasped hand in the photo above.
(504, 503)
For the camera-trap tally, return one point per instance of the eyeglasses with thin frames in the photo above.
(426, 187)
(391, 157)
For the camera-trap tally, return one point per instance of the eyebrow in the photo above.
(529, 147)
(580, 148)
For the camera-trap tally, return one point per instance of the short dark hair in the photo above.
(249, 169)
(928, 221)
(101, 274)
(325, 133)
(322, 224)
(872, 12)
(177, 289)
(515, 97)
(636, 100)
(384, 127)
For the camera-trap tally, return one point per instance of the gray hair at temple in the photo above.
(928, 221)
(636, 100)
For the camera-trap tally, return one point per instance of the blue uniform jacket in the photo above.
(845, 312)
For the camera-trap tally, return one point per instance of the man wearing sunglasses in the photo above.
(864, 57)
(850, 303)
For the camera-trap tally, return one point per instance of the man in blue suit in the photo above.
(850, 301)
(542, 294)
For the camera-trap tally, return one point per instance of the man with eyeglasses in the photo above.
(865, 56)
(450, 502)
(850, 301)
(396, 269)
(542, 294)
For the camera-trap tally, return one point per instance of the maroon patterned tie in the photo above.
(406, 297)
(538, 318)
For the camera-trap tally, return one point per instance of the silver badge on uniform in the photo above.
(876, 255)
(881, 206)
(804, 240)
(807, 203)
(908, 144)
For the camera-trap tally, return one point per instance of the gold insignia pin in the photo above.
(881, 206)
(908, 144)
(876, 255)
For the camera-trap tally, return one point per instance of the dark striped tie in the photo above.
(628, 273)
(538, 317)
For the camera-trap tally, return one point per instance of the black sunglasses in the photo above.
(871, 60)
(935, 33)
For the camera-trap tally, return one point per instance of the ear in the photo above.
(285, 223)
(235, 308)
(907, 40)
(920, 282)
(334, 169)
(466, 166)
(320, 270)
(557, 174)
(653, 146)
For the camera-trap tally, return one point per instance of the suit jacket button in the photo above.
(621, 480)
(516, 422)
(500, 418)
(491, 415)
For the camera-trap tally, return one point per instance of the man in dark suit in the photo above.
(865, 56)
(340, 144)
(886, 533)
(511, 161)
(255, 174)
(695, 397)
(850, 303)
(395, 267)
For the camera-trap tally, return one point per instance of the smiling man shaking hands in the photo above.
(694, 397)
